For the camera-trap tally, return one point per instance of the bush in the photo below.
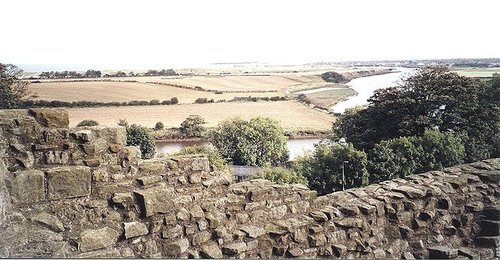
(174, 100)
(400, 157)
(154, 102)
(193, 126)
(334, 77)
(323, 168)
(217, 163)
(258, 142)
(280, 175)
(87, 122)
(139, 136)
(159, 126)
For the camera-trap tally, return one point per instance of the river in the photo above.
(366, 86)
(296, 147)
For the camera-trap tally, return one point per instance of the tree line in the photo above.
(99, 74)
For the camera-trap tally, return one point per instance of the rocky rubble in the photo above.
(82, 193)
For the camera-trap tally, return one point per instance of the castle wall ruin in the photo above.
(82, 193)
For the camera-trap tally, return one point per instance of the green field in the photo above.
(475, 71)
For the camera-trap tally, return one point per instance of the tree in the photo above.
(323, 168)
(193, 126)
(258, 142)
(400, 157)
(334, 77)
(217, 163)
(87, 122)
(12, 89)
(439, 150)
(432, 98)
(159, 126)
(280, 175)
(139, 136)
(395, 158)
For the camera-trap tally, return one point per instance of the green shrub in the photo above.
(159, 126)
(217, 163)
(87, 122)
(139, 136)
(280, 175)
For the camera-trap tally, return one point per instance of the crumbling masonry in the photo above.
(81, 192)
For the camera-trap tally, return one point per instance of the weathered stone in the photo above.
(48, 220)
(177, 248)
(339, 250)
(30, 186)
(172, 233)
(410, 191)
(349, 222)
(51, 117)
(148, 180)
(278, 212)
(474, 206)
(318, 216)
(253, 231)
(155, 200)
(183, 214)
(280, 250)
(234, 249)
(211, 250)
(201, 238)
(317, 240)
(123, 198)
(135, 229)
(467, 253)
(406, 232)
(197, 212)
(92, 239)
(442, 252)
(295, 252)
(68, 182)
(105, 253)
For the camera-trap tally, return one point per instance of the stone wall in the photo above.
(82, 193)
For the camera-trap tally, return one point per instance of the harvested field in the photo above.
(112, 91)
(264, 82)
(291, 114)
(326, 99)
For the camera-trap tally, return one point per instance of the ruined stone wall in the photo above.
(82, 193)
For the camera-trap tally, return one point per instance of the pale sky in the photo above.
(121, 34)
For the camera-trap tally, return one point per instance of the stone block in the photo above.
(211, 250)
(234, 249)
(410, 191)
(30, 186)
(105, 253)
(200, 238)
(49, 221)
(253, 231)
(176, 249)
(148, 180)
(155, 200)
(442, 252)
(135, 229)
(68, 182)
(93, 239)
(51, 117)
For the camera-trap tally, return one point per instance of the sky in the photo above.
(118, 34)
